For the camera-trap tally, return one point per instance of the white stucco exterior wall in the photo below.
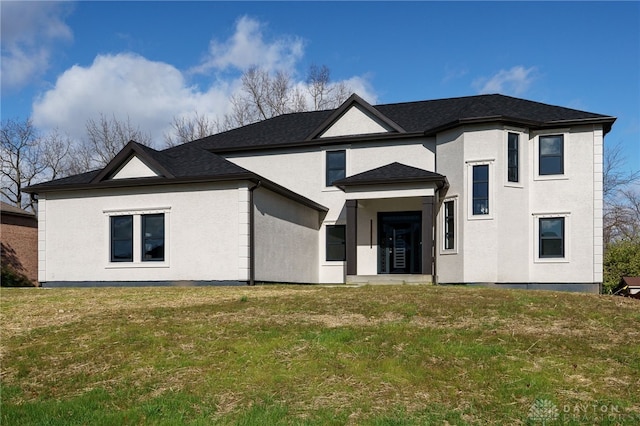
(502, 247)
(303, 171)
(201, 234)
(286, 239)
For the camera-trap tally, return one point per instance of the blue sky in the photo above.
(66, 62)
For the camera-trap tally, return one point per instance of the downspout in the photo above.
(252, 240)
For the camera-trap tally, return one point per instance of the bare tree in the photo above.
(324, 94)
(189, 129)
(621, 218)
(29, 158)
(106, 137)
(264, 95)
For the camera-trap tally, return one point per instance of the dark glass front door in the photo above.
(399, 243)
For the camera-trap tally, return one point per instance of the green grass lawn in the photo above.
(307, 355)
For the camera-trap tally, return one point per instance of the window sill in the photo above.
(551, 260)
(331, 189)
(134, 265)
(480, 217)
(514, 185)
(550, 177)
(448, 252)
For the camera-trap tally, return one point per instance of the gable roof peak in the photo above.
(351, 101)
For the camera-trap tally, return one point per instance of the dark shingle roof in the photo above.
(422, 117)
(9, 209)
(392, 173)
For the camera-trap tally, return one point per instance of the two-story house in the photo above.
(483, 189)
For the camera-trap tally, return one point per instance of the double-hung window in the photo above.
(336, 166)
(512, 157)
(152, 237)
(121, 238)
(480, 196)
(551, 237)
(449, 225)
(336, 243)
(137, 237)
(551, 155)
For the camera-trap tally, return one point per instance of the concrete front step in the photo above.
(389, 279)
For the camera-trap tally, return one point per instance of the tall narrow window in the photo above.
(336, 247)
(551, 155)
(336, 166)
(551, 242)
(449, 225)
(122, 238)
(153, 237)
(512, 157)
(481, 189)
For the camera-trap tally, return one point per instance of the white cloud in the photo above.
(152, 93)
(29, 32)
(247, 47)
(124, 85)
(515, 81)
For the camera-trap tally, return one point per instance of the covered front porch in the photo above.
(390, 224)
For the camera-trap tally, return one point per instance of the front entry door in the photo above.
(399, 242)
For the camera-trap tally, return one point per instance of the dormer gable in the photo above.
(134, 168)
(134, 161)
(355, 117)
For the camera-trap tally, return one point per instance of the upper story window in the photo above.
(335, 166)
(513, 143)
(480, 198)
(121, 238)
(551, 155)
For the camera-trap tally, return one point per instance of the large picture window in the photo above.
(481, 189)
(152, 237)
(512, 157)
(551, 155)
(336, 243)
(121, 238)
(552, 237)
(449, 225)
(336, 166)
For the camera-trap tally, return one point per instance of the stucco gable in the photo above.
(355, 117)
(134, 168)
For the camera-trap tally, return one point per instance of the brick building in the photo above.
(19, 240)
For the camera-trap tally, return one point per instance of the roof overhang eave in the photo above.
(441, 183)
(605, 120)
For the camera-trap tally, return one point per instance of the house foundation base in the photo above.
(389, 279)
(594, 288)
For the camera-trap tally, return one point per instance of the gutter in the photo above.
(252, 237)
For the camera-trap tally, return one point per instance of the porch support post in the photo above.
(351, 237)
(427, 235)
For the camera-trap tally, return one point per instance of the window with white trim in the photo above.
(138, 237)
(513, 154)
(336, 243)
(551, 234)
(550, 155)
(449, 226)
(480, 189)
(336, 166)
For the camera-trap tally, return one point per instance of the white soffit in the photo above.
(134, 168)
